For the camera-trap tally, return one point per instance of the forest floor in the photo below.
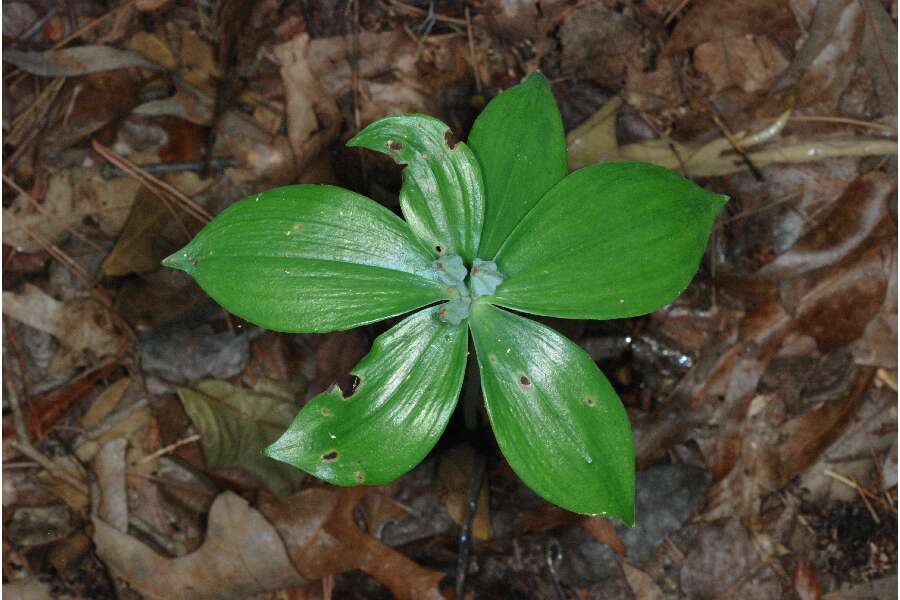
(763, 400)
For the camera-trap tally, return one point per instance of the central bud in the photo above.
(464, 286)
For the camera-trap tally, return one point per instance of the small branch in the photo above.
(167, 449)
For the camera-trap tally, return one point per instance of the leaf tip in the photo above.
(183, 260)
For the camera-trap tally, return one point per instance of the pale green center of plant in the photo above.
(465, 286)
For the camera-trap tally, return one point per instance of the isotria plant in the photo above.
(492, 225)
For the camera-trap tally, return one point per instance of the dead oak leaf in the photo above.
(242, 556)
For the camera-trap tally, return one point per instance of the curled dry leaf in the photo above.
(138, 249)
(44, 411)
(818, 75)
(805, 583)
(322, 538)
(857, 220)
(748, 62)
(595, 141)
(718, 19)
(843, 300)
(80, 60)
(602, 44)
(314, 120)
(85, 328)
(641, 583)
(241, 556)
(109, 467)
(74, 197)
(872, 429)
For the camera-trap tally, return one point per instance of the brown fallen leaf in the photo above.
(805, 583)
(856, 221)
(838, 304)
(878, 344)
(808, 435)
(74, 197)
(44, 411)
(641, 583)
(710, 20)
(241, 556)
(322, 538)
(105, 403)
(314, 120)
(79, 60)
(380, 510)
(749, 62)
(109, 468)
(138, 249)
(605, 532)
(86, 329)
(454, 475)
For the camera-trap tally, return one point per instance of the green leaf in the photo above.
(310, 258)
(407, 390)
(609, 241)
(235, 424)
(442, 195)
(520, 143)
(557, 419)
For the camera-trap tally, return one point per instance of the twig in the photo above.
(217, 163)
(747, 213)
(21, 465)
(49, 466)
(167, 449)
(674, 12)
(465, 534)
(40, 208)
(838, 120)
(159, 188)
(18, 418)
(859, 489)
(415, 11)
(55, 252)
(745, 158)
(887, 496)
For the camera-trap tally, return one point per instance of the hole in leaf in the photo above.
(589, 400)
(450, 139)
(347, 385)
(395, 145)
(524, 381)
(330, 456)
(438, 248)
(492, 358)
(359, 476)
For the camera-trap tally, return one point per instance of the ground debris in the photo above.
(763, 400)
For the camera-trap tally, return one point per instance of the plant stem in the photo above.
(465, 535)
